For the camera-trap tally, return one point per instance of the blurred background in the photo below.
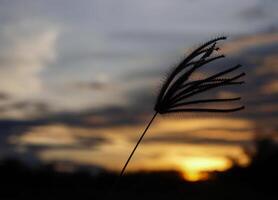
(78, 81)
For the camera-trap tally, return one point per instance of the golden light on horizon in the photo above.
(169, 145)
(197, 168)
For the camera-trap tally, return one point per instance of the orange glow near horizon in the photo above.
(197, 168)
(176, 152)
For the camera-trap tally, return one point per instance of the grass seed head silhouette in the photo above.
(174, 94)
(177, 89)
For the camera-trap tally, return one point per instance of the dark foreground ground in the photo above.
(257, 181)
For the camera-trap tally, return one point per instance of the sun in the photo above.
(197, 168)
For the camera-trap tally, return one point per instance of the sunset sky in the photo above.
(78, 81)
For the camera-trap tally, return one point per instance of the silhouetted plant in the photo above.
(177, 89)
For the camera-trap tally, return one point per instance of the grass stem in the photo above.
(137, 144)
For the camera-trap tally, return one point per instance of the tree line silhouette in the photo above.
(255, 181)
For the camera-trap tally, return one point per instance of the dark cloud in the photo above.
(97, 85)
(254, 12)
(113, 116)
(38, 108)
(4, 96)
(9, 128)
(262, 10)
